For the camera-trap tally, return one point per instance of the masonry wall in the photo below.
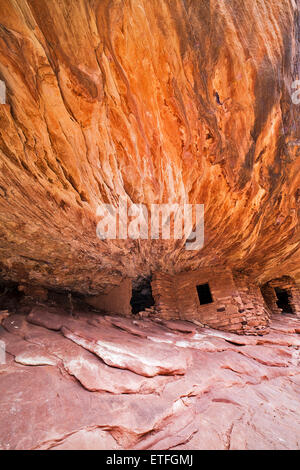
(253, 306)
(285, 282)
(270, 300)
(295, 290)
(238, 305)
(164, 293)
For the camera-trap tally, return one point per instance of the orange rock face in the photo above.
(156, 102)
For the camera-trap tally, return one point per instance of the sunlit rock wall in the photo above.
(158, 102)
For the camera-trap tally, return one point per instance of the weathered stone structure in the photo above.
(282, 295)
(213, 296)
(216, 297)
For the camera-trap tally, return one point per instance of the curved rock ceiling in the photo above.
(157, 101)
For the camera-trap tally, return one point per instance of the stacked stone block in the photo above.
(285, 282)
(237, 306)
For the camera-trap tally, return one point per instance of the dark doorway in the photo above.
(283, 300)
(141, 295)
(10, 297)
(204, 294)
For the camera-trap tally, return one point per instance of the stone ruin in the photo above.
(216, 297)
(282, 296)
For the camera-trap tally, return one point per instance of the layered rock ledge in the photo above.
(107, 382)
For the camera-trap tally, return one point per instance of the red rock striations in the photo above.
(149, 102)
(156, 102)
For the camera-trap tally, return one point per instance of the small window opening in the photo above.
(141, 295)
(283, 300)
(204, 294)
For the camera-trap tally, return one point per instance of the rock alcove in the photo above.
(141, 343)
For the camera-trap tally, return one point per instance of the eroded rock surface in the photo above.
(230, 392)
(157, 102)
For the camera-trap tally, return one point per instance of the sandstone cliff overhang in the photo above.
(157, 102)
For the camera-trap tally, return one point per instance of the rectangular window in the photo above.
(204, 294)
